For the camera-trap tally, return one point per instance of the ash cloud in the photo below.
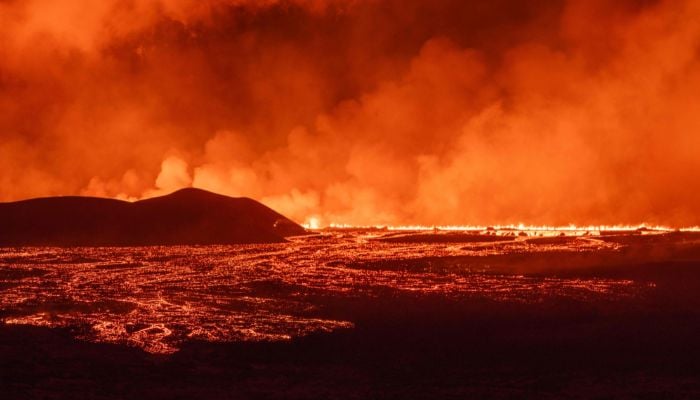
(360, 112)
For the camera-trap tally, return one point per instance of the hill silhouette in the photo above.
(185, 217)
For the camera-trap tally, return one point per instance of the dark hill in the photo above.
(188, 216)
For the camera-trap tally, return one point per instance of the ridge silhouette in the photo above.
(185, 217)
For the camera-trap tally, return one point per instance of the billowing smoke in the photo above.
(361, 112)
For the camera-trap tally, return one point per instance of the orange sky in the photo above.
(362, 111)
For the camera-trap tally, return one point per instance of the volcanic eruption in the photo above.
(301, 199)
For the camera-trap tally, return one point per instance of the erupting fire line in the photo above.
(519, 227)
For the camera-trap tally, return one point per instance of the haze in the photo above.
(361, 112)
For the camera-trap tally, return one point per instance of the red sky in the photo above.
(361, 111)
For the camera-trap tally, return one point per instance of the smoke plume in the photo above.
(361, 112)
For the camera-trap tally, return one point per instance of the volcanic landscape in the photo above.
(457, 310)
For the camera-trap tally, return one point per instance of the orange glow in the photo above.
(446, 113)
(312, 223)
(572, 229)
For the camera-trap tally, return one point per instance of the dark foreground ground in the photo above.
(414, 348)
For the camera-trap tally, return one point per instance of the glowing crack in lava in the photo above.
(156, 298)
